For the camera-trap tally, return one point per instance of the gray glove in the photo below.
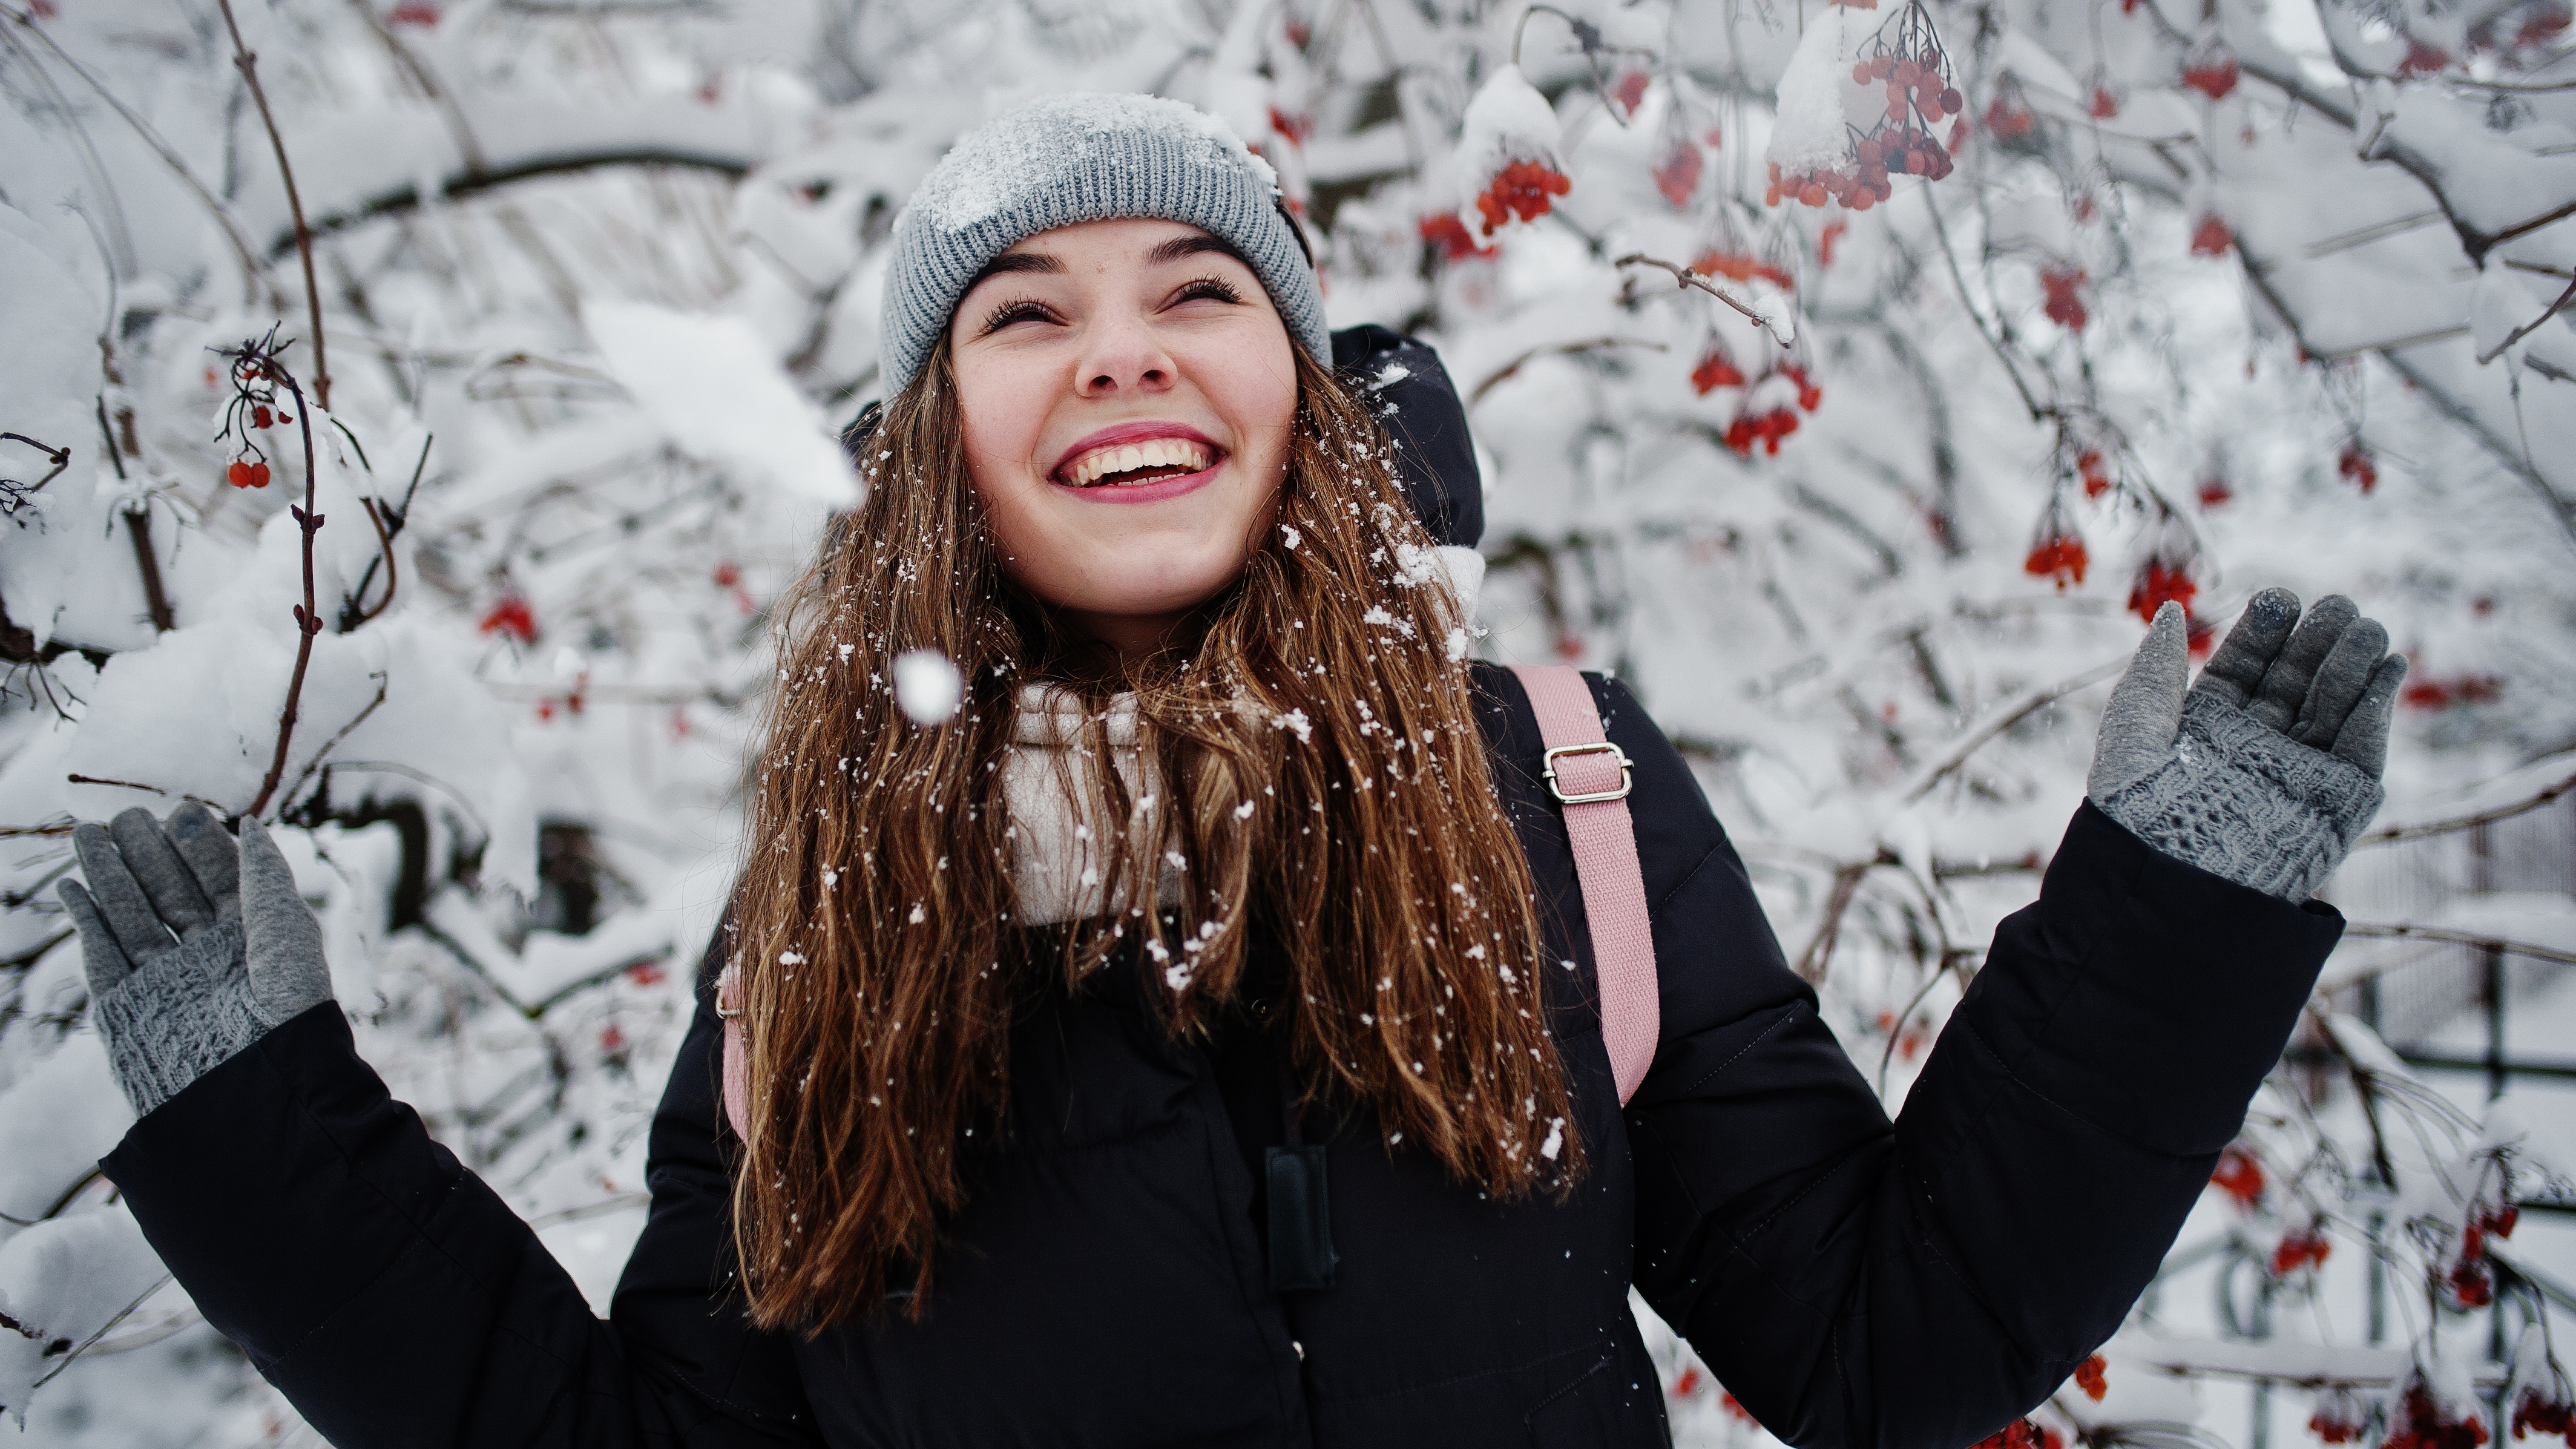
(193, 948)
(2268, 770)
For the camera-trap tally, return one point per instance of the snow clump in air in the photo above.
(927, 686)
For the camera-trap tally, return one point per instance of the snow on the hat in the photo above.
(1028, 147)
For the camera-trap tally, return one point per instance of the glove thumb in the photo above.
(281, 941)
(2145, 714)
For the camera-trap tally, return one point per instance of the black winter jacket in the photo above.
(1854, 1283)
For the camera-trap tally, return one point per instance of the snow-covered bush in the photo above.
(1854, 380)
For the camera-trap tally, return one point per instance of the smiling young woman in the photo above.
(1197, 1038)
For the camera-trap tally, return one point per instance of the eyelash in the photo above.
(1021, 308)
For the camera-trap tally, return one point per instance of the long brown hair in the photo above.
(1324, 789)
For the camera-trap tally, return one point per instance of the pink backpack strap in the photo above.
(737, 1079)
(1590, 777)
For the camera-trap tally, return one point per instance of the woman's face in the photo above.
(1128, 391)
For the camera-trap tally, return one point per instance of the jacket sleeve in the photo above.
(1921, 1284)
(396, 1300)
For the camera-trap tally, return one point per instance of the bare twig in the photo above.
(2004, 719)
(1512, 368)
(1820, 947)
(2468, 822)
(1686, 277)
(138, 522)
(258, 361)
(114, 1319)
(80, 779)
(248, 64)
(2406, 931)
(334, 742)
(2527, 328)
(16, 492)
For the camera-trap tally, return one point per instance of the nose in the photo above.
(1123, 356)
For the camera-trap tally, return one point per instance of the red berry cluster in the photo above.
(2302, 1249)
(2102, 102)
(1456, 243)
(1743, 266)
(2009, 116)
(2356, 464)
(1716, 369)
(1520, 189)
(2159, 583)
(1769, 426)
(2089, 1377)
(2058, 555)
(2426, 1423)
(2095, 473)
(2214, 492)
(2212, 237)
(2210, 68)
(511, 616)
(2064, 285)
(2431, 693)
(2341, 1417)
(2021, 1434)
(1677, 169)
(2470, 1283)
(2533, 1410)
(2240, 1176)
(247, 473)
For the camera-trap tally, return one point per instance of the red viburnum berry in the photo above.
(413, 12)
(2064, 286)
(1677, 174)
(2214, 492)
(612, 1038)
(1456, 243)
(511, 616)
(2211, 238)
(1716, 370)
(645, 973)
(1810, 396)
(2419, 1421)
(2096, 476)
(2089, 1378)
(2009, 120)
(1521, 189)
(2158, 585)
(260, 417)
(2103, 104)
(2299, 1250)
(1729, 1403)
(2355, 464)
(244, 474)
(1631, 91)
(2059, 556)
(1688, 1383)
(2534, 1410)
(2211, 70)
(2422, 59)
(1833, 232)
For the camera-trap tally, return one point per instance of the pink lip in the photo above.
(1125, 433)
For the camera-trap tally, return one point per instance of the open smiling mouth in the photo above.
(1130, 465)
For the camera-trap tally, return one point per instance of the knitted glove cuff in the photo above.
(2247, 802)
(173, 1021)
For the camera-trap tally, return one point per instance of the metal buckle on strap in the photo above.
(1617, 756)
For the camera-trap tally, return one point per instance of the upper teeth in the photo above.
(1128, 457)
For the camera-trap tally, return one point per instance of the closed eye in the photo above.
(1216, 289)
(1021, 309)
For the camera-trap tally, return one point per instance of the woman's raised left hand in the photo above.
(2267, 770)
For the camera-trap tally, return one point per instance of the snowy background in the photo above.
(1852, 381)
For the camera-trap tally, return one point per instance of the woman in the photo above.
(1193, 1039)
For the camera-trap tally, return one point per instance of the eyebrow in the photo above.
(1010, 262)
(1180, 247)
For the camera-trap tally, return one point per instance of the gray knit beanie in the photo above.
(1086, 157)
